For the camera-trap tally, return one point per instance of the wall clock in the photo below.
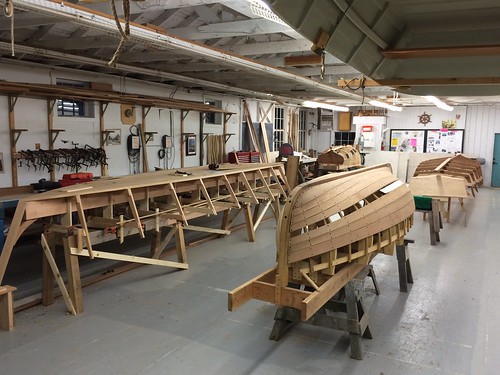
(424, 118)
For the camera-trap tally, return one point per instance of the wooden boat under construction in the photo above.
(82, 216)
(331, 228)
(454, 166)
(339, 158)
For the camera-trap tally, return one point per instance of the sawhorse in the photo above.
(349, 301)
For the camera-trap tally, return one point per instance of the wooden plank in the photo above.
(55, 271)
(135, 213)
(180, 244)
(6, 308)
(317, 299)
(244, 292)
(83, 223)
(292, 170)
(131, 258)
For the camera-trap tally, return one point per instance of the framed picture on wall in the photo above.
(114, 137)
(2, 170)
(191, 144)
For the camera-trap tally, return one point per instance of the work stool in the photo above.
(6, 308)
(430, 207)
(404, 266)
(348, 301)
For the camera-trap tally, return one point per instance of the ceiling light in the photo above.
(388, 106)
(310, 104)
(438, 103)
(261, 9)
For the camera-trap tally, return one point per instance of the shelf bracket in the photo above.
(15, 134)
(104, 135)
(55, 134)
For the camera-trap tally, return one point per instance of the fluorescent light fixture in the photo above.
(388, 106)
(261, 9)
(438, 103)
(310, 104)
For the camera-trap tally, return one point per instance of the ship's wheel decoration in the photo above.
(424, 118)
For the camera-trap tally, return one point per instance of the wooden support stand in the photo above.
(404, 267)
(6, 308)
(348, 301)
(434, 214)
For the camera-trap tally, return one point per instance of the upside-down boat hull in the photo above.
(330, 227)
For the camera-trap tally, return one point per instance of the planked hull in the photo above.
(330, 228)
(340, 158)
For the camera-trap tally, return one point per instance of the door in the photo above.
(495, 172)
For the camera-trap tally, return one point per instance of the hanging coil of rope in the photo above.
(124, 33)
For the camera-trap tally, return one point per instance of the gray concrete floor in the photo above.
(153, 320)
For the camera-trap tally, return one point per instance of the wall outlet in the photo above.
(37, 146)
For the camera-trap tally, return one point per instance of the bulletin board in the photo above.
(445, 140)
(408, 140)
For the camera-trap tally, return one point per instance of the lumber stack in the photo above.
(331, 228)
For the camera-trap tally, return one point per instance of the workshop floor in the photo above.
(153, 320)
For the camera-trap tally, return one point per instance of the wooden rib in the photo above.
(57, 275)
(207, 197)
(308, 279)
(266, 186)
(83, 223)
(229, 188)
(249, 188)
(135, 213)
(177, 202)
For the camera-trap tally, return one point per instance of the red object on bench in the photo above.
(69, 179)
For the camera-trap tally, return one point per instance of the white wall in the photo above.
(31, 114)
(480, 123)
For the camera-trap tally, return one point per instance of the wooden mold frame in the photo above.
(331, 227)
(456, 166)
(112, 208)
(340, 158)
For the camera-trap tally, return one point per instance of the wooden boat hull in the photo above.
(330, 228)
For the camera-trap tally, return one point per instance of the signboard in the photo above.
(445, 140)
(407, 140)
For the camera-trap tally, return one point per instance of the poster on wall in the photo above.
(445, 140)
(407, 140)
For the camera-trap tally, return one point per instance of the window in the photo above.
(279, 129)
(302, 130)
(214, 118)
(74, 108)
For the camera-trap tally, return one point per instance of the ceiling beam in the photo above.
(264, 48)
(432, 52)
(402, 82)
(312, 59)
(230, 29)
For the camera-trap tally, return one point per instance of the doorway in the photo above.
(495, 172)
